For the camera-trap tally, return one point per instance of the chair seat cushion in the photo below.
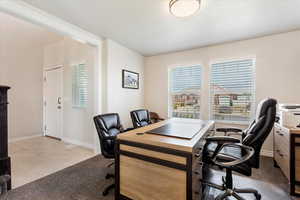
(229, 154)
(109, 148)
(144, 123)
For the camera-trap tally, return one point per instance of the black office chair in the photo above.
(154, 117)
(140, 118)
(108, 127)
(3, 186)
(240, 155)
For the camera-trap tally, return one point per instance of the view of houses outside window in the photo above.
(185, 92)
(232, 90)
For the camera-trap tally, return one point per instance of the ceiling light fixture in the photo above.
(184, 8)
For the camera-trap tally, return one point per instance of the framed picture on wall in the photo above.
(130, 79)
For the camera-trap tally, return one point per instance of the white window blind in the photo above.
(185, 91)
(80, 86)
(232, 90)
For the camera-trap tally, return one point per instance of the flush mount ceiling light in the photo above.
(184, 8)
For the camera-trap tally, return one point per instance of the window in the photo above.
(185, 92)
(80, 86)
(232, 90)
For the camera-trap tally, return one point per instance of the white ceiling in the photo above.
(147, 27)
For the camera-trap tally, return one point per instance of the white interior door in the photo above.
(53, 103)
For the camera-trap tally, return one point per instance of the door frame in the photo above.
(37, 16)
(47, 69)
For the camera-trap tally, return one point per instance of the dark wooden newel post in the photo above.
(4, 158)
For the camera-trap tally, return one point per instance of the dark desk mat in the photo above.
(180, 130)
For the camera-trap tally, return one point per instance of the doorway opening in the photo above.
(37, 63)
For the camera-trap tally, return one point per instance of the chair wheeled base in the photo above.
(3, 186)
(108, 188)
(229, 190)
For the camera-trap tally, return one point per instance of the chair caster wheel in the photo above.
(258, 196)
(108, 176)
(105, 193)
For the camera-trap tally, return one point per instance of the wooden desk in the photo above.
(287, 155)
(156, 167)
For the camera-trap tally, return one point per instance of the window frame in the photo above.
(253, 107)
(80, 106)
(170, 68)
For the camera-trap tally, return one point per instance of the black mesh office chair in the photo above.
(3, 186)
(140, 118)
(108, 127)
(242, 155)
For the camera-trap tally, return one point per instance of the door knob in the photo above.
(59, 107)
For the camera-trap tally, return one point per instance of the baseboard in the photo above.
(24, 138)
(78, 143)
(266, 153)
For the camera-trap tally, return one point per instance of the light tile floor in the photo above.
(41, 156)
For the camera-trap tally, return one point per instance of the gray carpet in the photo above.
(85, 181)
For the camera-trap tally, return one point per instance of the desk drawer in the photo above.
(196, 183)
(197, 170)
(199, 146)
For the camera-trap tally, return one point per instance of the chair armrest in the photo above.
(128, 129)
(222, 139)
(111, 138)
(121, 128)
(249, 152)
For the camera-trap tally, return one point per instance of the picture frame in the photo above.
(130, 79)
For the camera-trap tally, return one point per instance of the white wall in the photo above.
(78, 123)
(78, 127)
(277, 70)
(21, 68)
(118, 99)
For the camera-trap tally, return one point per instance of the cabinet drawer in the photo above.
(282, 143)
(282, 159)
(282, 135)
(282, 147)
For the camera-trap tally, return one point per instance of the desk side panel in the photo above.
(138, 180)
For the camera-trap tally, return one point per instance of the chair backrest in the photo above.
(140, 118)
(155, 117)
(108, 126)
(256, 134)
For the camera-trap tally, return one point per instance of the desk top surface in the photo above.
(293, 130)
(168, 141)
